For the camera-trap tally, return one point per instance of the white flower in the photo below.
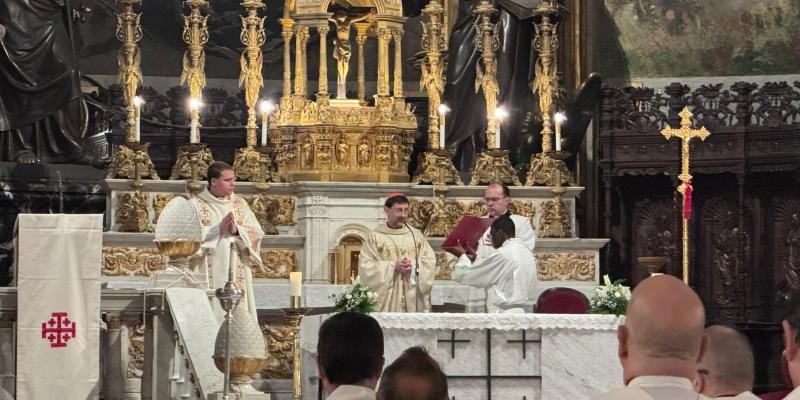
(348, 296)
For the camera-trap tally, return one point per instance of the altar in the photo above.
(497, 356)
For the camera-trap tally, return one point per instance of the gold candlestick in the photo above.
(685, 133)
(253, 37)
(195, 35)
(547, 86)
(437, 166)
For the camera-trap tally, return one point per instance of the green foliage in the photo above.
(355, 298)
(612, 298)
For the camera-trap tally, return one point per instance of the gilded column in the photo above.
(397, 35)
(286, 33)
(384, 35)
(252, 36)
(301, 38)
(361, 40)
(323, 59)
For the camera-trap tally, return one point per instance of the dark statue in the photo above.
(40, 104)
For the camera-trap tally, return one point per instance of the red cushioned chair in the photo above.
(562, 301)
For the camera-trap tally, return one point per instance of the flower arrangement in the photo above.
(612, 298)
(355, 298)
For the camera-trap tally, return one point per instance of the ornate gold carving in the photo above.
(135, 367)
(554, 222)
(251, 79)
(129, 32)
(252, 165)
(132, 215)
(437, 168)
(180, 248)
(522, 207)
(277, 263)
(280, 340)
(565, 266)
(384, 36)
(123, 164)
(436, 218)
(361, 40)
(545, 83)
(132, 261)
(189, 154)
(544, 169)
(159, 202)
(445, 264)
(492, 166)
(323, 56)
(272, 211)
(195, 35)
(301, 38)
(397, 36)
(486, 78)
(286, 34)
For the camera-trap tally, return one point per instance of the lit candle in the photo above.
(560, 118)
(295, 283)
(500, 114)
(137, 105)
(443, 110)
(232, 262)
(194, 106)
(266, 108)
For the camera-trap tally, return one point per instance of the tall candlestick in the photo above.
(295, 283)
(232, 262)
(560, 118)
(137, 104)
(194, 107)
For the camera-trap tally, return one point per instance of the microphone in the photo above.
(416, 266)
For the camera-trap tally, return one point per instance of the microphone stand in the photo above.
(417, 289)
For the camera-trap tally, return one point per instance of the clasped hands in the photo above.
(403, 266)
(228, 225)
(461, 248)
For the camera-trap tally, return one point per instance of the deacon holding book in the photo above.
(509, 274)
(496, 197)
(397, 262)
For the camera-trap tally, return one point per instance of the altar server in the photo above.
(397, 262)
(509, 273)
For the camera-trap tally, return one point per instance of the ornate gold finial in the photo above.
(685, 133)
(195, 35)
(129, 32)
(253, 37)
(488, 42)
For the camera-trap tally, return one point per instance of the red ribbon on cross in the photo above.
(687, 200)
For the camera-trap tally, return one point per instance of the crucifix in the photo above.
(685, 133)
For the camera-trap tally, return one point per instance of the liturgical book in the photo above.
(468, 231)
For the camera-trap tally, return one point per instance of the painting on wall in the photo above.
(677, 38)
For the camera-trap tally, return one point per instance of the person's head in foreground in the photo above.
(415, 375)
(349, 351)
(727, 367)
(502, 229)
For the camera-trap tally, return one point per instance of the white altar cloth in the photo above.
(564, 356)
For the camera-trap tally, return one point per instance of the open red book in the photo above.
(469, 231)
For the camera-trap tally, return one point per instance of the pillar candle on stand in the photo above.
(137, 104)
(500, 114)
(443, 109)
(295, 283)
(560, 118)
(266, 108)
(232, 261)
(194, 107)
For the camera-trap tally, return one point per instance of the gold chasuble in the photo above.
(383, 248)
(214, 256)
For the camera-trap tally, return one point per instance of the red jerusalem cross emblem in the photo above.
(58, 329)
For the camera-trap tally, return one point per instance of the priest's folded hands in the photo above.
(403, 266)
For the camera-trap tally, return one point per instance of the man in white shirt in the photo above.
(791, 330)
(726, 370)
(661, 342)
(496, 197)
(509, 274)
(350, 356)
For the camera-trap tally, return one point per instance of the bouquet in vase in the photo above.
(356, 298)
(611, 298)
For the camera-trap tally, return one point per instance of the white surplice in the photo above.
(509, 274)
(479, 300)
(382, 249)
(214, 255)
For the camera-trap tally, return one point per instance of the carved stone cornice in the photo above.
(141, 261)
(277, 263)
(566, 266)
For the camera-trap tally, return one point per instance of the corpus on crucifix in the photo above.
(342, 47)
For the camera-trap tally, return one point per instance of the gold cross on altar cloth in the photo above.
(685, 133)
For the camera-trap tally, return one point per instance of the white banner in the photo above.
(58, 306)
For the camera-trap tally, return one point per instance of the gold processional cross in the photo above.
(685, 133)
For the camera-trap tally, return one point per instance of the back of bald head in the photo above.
(665, 319)
(728, 359)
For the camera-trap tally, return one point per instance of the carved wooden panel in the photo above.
(655, 232)
(786, 245)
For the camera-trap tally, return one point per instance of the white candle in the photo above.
(194, 137)
(232, 262)
(265, 107)
(560, 118)
(137, 105)
(443, 109)
(194, 133)
(500, 114)
(295, 283)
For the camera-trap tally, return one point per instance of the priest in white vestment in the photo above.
(225, 219)
(509, 274)
(397, 262)
(496, 197)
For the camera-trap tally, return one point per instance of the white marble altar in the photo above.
(564, 357)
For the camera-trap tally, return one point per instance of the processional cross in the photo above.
(685, 133)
